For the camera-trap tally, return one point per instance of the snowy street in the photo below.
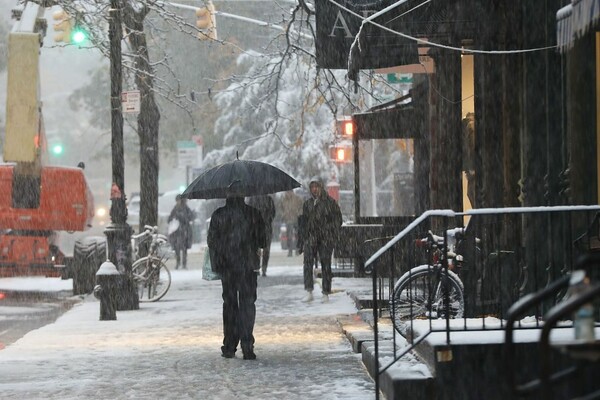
(171, 349)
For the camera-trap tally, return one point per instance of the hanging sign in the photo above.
(337, 29)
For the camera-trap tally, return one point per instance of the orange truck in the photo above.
(36, 200)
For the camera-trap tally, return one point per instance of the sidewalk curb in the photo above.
(403, 379)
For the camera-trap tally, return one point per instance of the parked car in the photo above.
(166, 202)
(133, 212)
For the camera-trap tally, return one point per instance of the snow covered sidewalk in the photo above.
(171, 349)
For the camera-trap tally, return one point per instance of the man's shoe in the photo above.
(308, 298)
(249, 355)
(227, 353)
(325, 298)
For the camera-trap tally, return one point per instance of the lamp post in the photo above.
(118, 232)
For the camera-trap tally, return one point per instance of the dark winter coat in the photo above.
(320, 221)
(235, 234)
(182, 238)
(266, 206)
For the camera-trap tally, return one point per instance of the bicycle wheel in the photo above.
(152, 278)
(419, 294)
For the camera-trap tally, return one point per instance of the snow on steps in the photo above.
(408, 377)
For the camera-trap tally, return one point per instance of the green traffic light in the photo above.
(57, 149)
(78, 36)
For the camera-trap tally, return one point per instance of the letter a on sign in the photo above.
(340, 23)
(336, 29)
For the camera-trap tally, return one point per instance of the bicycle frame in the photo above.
(147, 269)
(151, 234)
(434, 288)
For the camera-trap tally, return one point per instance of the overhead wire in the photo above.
(433, 44)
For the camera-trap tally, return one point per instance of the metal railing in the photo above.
(583, 349)
(503, 255)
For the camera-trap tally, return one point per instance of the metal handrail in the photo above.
(517, 311)
(447, 213)
(551, 318)
(477, 211)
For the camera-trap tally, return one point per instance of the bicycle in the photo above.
(150, 274)
(422, 291)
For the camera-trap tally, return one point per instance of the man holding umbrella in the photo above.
(235, 234)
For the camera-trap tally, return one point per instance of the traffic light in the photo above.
(78, 35)
(67, 29)
(341, 153)
(57, 149)
(63, 26)
(345, 127)
(206, 22)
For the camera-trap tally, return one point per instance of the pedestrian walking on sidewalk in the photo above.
(266, 206)
(235, 234)
(318, 230)
(180, 230)
(290, 210)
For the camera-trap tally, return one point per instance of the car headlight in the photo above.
(101, 212)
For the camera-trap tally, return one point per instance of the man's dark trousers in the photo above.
(239, 310)
(318, 252)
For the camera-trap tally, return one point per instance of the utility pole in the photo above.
(118, 232)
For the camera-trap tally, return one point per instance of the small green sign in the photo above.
(399, 78)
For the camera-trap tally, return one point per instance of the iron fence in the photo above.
(461, 271)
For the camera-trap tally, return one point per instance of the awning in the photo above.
(575, 20)
(395, 119)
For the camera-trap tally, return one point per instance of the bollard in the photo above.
(106, 290)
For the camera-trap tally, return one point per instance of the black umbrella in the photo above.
(239, 178)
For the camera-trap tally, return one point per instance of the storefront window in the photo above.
(386, 177)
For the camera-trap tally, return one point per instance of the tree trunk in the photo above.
(148, 118)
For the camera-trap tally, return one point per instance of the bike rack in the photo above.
(516, 312)
(551, 318)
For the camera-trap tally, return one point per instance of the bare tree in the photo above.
(291, 45)
(149, 115)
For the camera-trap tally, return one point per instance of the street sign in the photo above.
(400, 78)
(187, 153)
(130, 101)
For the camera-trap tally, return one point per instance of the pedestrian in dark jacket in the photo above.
(181, 238)
(318, 229)
(266, 206)
(235, 234)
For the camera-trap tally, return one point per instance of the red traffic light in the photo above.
(341, 153)
(345, 127)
